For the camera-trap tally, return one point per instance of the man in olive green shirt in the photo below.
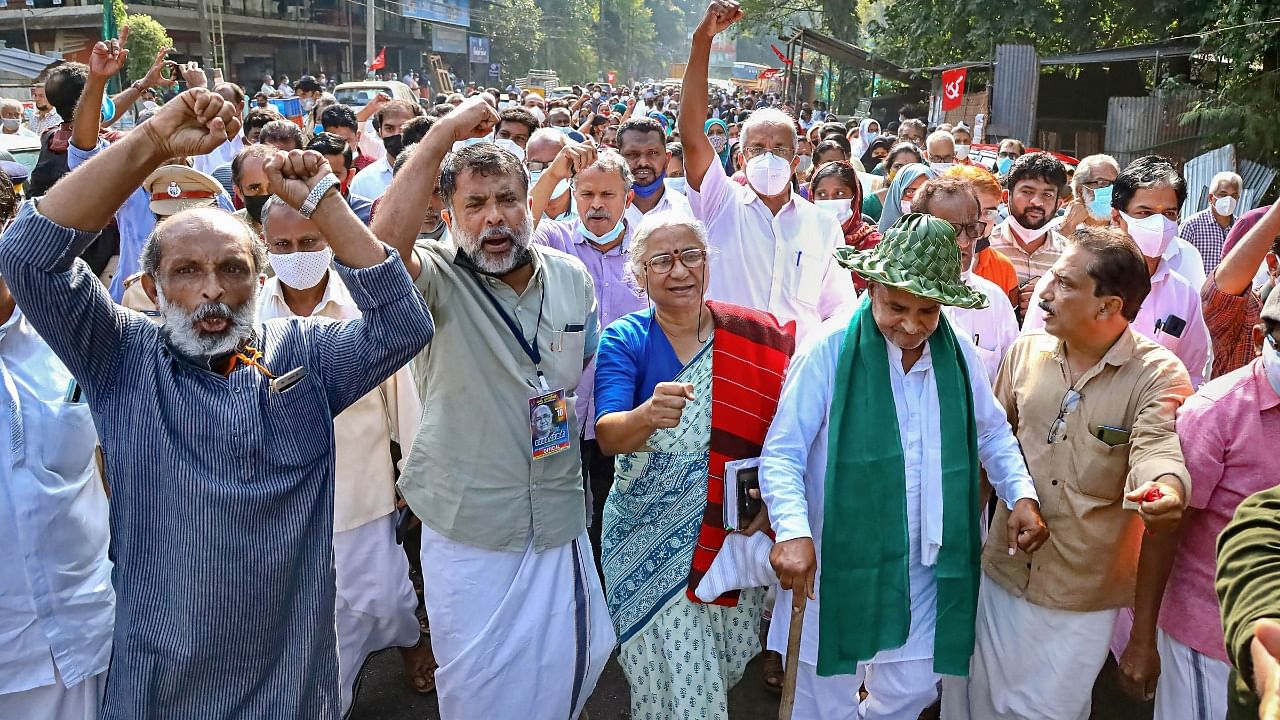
(518, 619)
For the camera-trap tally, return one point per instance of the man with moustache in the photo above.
(603, 189)
(518, 617)
(643, 144)
(1034, 188)
(217, 429)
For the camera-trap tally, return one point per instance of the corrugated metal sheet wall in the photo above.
(1138, 126)
(1015, 87)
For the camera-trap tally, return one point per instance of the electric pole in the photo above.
(206, 45)
(368, 35)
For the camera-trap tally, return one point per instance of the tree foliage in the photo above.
(516, 29)
(146, 38)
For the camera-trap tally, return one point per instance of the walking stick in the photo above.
(795, 631)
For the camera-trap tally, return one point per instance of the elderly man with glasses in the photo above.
(1092, 403)
(1091, 193)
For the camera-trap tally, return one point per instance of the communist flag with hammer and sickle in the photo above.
(953, 88)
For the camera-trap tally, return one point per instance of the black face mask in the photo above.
(253, 205)
(394, 145)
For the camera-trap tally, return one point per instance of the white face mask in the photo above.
(940, 167)
(806, 162)
(768, 174)
(511, 147)
(675, 184)
(1271, 363)
(1225, 206)
(842, 208)
(962, 152)
(905, 207)
(1152, 234)
(301, 270)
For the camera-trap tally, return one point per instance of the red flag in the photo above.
(612, 77)
(380, 61)
(778, 52)
(953, 88)
(767, 73)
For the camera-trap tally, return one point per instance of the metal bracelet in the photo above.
(317, 194)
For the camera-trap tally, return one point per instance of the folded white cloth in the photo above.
(743, 562)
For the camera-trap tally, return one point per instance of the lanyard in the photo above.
(530, 349)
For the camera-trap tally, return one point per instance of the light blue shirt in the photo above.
(134, 220)
(368, 185)
(56, 601)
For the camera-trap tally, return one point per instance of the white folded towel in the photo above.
(743, 562)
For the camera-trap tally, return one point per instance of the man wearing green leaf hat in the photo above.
(870, 474)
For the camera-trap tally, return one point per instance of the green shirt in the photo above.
(1248, 584)
(470, 475)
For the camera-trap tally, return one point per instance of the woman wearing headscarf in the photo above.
(868, 131)
(897, 201)
(875, 154)
(717, 132)
(836, 188)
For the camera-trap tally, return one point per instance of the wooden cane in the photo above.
(795, 632)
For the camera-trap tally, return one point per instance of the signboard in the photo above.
(448, 12)
(479, 49)
(495, 69)
(448, 39)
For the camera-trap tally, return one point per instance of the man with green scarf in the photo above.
(884, 421)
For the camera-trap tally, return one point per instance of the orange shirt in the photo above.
(994, 266)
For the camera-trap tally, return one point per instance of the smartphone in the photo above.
(1112, 435)
(748, 507)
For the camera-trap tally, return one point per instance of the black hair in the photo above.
(339, 116)
(827, 146)
(1117, 267)
(63, 85)
(404, 107)
(258, 118)
(8, 197)
(640, 125)
(943, 185)
(1145, 172)
(676, 150)
(1038, 166)
(520, 116)
(485, 159)
(847, 175)
(262, 152)
(331, 145)
(416, 128)
(280, 131)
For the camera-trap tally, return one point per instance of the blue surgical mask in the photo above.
(1003, 165)
(676, 184)
(604, 239)
(1100, 205)
(648, 191)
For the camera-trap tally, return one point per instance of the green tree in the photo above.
(1242, 104)
(146, 38)
(569, 47)
(515, 27)
(626, 36)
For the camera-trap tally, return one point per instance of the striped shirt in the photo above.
(222, 490)
(1204, 232)
(1029, 266)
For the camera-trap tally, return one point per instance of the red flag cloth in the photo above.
(778, 52)
(953, 88)
(613, 77)
(767, 73)
(380, 61)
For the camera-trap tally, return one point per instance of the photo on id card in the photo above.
(548, 423)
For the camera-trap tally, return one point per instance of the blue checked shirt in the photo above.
(1203, 231)
(222, 489)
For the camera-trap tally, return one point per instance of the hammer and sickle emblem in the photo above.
(953, 88)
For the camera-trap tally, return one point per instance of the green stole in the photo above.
(866, 595)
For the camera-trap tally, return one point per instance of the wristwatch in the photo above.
(317, 194)
(138, 85)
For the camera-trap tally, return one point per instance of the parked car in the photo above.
(986, 155)
(361, 93)
(25, 150)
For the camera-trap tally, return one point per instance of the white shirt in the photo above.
(221, 155)
(782, 264)
(1184, 259)
(670, 200)
(363, 475)
(57, 605)
(1171, 294)
(793, 468)
(368, 185)
(992, 329)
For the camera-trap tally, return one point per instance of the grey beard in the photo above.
(473, 247)
(179, 326)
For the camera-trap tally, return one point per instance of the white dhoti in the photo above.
(1192, 686)
(1032, 662)
(82, 701)
(375, 606)
(517, 634)
(895, 691)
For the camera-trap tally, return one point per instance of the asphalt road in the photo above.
(384, 695)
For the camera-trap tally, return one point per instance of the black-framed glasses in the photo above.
(1070, 401)
(972, 230)
(535, 166)
(754, 151)
(1097, 184)
(664, 263)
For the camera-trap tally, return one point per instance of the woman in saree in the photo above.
(681, 388)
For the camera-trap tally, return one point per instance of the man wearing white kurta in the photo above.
(772, 248)
(56, 600)
(376, 605)
(901, 681)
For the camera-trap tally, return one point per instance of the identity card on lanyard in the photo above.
(548, 411)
